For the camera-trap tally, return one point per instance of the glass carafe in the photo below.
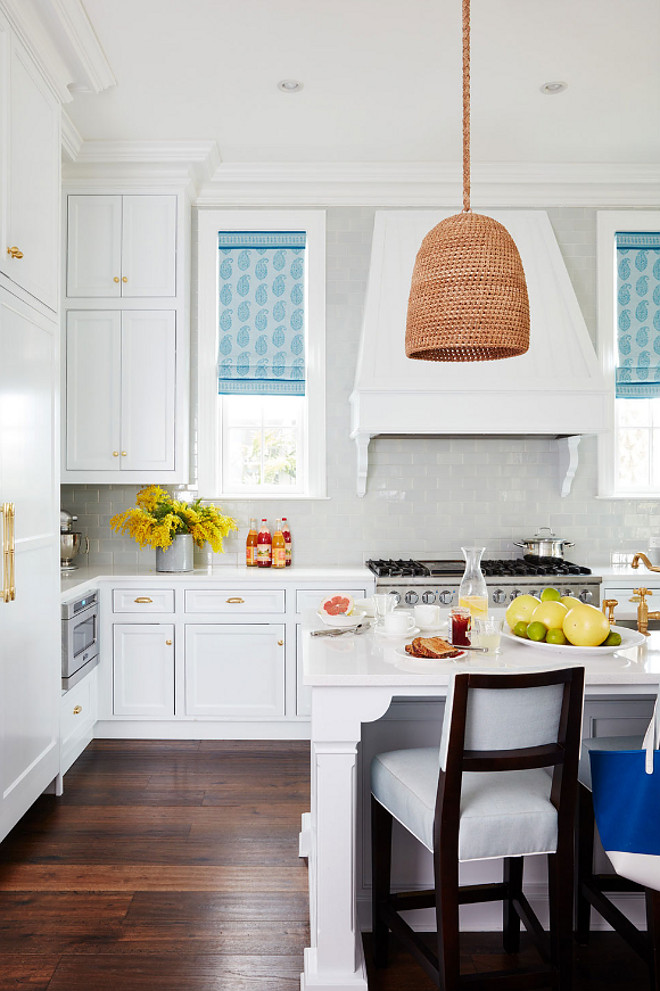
(473, 591)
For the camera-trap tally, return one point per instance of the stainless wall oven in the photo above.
(80, 637)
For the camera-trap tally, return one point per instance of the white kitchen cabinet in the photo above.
(143, 669)
(121, 393)
(30, 185)
(30, 629)
(235, 671)
(77, 718)
(121, 246)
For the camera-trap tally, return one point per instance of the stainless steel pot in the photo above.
(544, 544)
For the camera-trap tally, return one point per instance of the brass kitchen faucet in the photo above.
(639, 596)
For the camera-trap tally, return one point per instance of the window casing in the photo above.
(629, 453)
(244, 442)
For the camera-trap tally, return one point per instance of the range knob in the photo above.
(446, 596)
(514, 593)
(499, 596)
(428, 597)
(586, 596)
(411, 598)
(397, 597)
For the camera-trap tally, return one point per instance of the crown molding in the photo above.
(423, 184)
(140, 163)
(71, 139)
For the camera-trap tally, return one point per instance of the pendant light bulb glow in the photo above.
(468, 295)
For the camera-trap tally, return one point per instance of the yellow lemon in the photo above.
(550, 613)
(521, 609)
(585, 626)
(570, 601)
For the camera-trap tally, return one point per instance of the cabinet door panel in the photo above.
(94, 246)
(143, 671)
(148, 390)
(234, 670)
(93, 349)
(33, 196)
(149, 246)
(30, 659)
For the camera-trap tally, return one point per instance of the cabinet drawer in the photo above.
(311, 598)
(235, 601)
(139, 600)
(76, 709)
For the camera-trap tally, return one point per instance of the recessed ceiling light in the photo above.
(290, 85)
(551, 89)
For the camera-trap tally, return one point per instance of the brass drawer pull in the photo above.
(8, 552)
(235, 598)
(143, 598)
(77, 709)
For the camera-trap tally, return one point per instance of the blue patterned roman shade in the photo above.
(261, 285)
(638, 315)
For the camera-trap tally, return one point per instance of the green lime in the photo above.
(520, 629)
(613, 640)
(536, 631)
(550, 595)
(555, 635)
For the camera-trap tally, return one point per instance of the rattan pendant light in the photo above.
(468, 295)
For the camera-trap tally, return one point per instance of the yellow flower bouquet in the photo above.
(158, 519)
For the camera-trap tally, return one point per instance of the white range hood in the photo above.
(556, 389)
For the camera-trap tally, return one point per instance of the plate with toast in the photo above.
(431, 649)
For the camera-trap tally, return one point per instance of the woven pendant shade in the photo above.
(468, 296)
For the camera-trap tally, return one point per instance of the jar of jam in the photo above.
(459, 626)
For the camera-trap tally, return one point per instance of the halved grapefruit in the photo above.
(337, 605)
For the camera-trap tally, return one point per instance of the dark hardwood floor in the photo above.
(173, 866)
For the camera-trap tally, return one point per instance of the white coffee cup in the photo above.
(398, 622)
(427, 616)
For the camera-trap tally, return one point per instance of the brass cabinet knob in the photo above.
(116, 278)
(14, 252)
(77, 709)
(115, 454)
(280, 643)
(169, 643)
(124, 279)
(123, 454)
(235, 598)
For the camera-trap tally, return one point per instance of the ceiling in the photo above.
(382, 79)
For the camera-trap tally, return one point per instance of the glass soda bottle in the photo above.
(251, 545)
(473, 591)
(287, 540)
(264, 546)
(279, 547)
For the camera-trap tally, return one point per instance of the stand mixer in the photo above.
(70, 542)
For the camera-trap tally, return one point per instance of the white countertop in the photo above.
(84, 578)
(370, 659)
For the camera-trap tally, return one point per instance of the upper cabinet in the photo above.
(121, 246)
(29, 175)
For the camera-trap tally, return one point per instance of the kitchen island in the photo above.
(354, 682)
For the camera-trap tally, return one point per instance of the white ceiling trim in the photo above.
(140, 163)
(70, 22)
(421, 184)
(72, 140)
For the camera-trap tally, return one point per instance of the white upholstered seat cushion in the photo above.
(503, 813)
(603, 743)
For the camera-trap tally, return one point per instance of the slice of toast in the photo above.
(431, 647)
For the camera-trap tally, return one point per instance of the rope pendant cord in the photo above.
(466, 106)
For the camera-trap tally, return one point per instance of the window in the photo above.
(261, 375)
(629, 331)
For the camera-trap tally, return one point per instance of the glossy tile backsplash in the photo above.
(425, 495)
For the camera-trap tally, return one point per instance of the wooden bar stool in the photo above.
(486, 794)
(593, 888)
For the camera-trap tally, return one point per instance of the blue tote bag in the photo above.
(626, 796)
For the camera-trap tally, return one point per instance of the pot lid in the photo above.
(545, 533)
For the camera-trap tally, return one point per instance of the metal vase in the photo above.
(178, 556)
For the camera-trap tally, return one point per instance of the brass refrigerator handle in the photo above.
(8, 552)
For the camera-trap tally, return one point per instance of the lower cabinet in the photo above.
(234, 671)
(143, 669)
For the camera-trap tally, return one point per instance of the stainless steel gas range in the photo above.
(438, 581)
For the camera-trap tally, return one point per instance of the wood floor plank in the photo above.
(147, 877)
(21, 972)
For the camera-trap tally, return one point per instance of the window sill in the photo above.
(266, 497)
(652, 496)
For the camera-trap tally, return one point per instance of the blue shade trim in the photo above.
(638, 314)
(261, 313)
(261, 239)
(637, 239)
